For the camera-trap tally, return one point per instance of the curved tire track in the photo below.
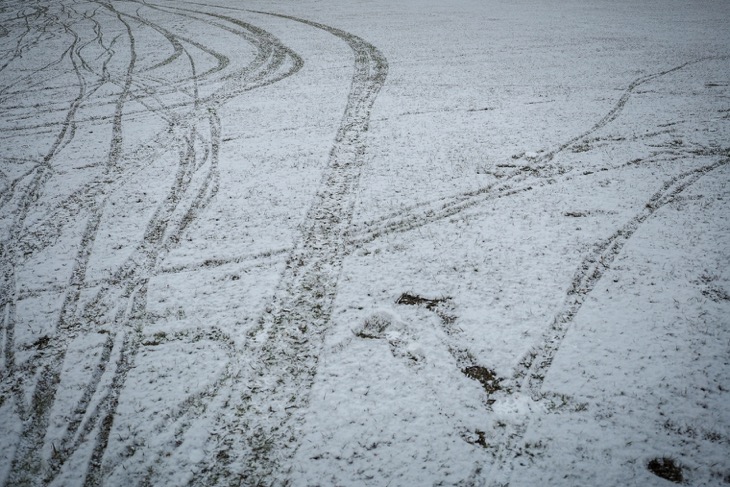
(521, 179)
(27, 463)
(194, 187)
(300, 310)
(532, 369)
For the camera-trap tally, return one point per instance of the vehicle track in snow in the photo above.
(285, 345)
(525, 178)
(130, 344)
(148, 90)
(532, 369)
(288, 339)
(118, 308)
(39, 175)
(254, 75)
(529, 375)
(532, 173)
(26, 467)
(268, 68)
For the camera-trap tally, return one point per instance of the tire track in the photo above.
(532, 369)
(26, 467)
(9, 250)
(135, 90)
(301, 307)
(136, 274)
(247, 261)
(115, 141)
(270, 57)
(521, 179)
(619, 106)
(43, 170)
(310, 281)
(34, 75)
(19, 46)
(260, 78)
(144, 92)
(42, 399)
(205, 194)
(115, 149)
(354, 244)
(129, 286)
(103, 74)
(129, 283)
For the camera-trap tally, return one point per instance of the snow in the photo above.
(365, 243)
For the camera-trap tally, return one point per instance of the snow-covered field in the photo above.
(427, 242)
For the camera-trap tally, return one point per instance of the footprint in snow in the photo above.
(383, 325)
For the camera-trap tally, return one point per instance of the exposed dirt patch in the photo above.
(415, 300)
(478, 438)
(716, 294)
(666, 468)
(487, 378)
(437, 305)
(42, 343)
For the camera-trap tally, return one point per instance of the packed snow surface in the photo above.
(318, 242)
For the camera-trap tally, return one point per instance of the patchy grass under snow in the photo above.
(377, 243)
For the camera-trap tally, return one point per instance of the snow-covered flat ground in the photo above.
(474, 242)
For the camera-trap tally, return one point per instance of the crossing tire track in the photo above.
(20, 46)
(289, 336)
(26, 466)
(131, 284)
(195, 186)
(134, 275)
(620, 104)
(532, 369)
(262, 71)
(302, 305)
(34, 75)
(519, 180)
(10, 250)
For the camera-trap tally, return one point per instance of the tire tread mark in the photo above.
(10, 251)
(416, 216)
(529, 375)
(158, 237)
(26, 466)
(302, 304)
